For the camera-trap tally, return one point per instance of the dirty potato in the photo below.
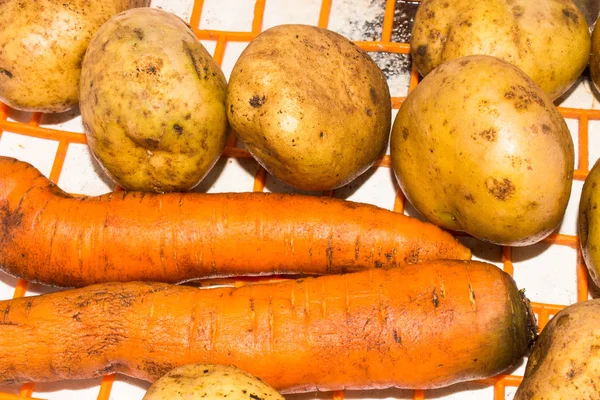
(548, 39)
(565, 361)
(310, 106)
(588, 223)
(42, 44)
(595, 58)
(210, 381)
(479, 147)
(152, 102)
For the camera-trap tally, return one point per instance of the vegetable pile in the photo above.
(367, 298)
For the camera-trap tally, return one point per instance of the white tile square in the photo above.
(462, 391)
(69, 121)
(229, 175)
(227, 15)
(81, 173)
(357, 19)
(181, 8)
(568, 225)
(85, 389)
(38, 152)
(279, 12)
(233, 50)
(376, 186)
(547, 272)
(593, 142)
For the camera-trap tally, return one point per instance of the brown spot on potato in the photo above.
(434, 34)
(570, 15)
(422, 50)
(469, 197)
(429, 14)
(257, 101)
(6, 72)
(373, 94)
(501, 189)
(489, 134)
(151, 143)
(517, 11)
(464, 62)
(369, 112)
(404, 132)
(546, 129)
(139, 33)
(178, 128)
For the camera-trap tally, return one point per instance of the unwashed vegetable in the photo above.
(565, 361)
(311, 106)
(588, 223)
(547, 39)
(50, 237)
(420, 326)
(210, 381)
(595, 57)
(152, 102)
(479, 147)
(42, 44)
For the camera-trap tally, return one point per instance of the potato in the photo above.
(210, 381)
(311, 107)
(42, 45)
(565, 361)
(595, 58)
(152, 102)
(588, 223)
(479, 147)
(547, 39)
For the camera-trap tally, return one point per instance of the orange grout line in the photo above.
(259, 179)
(213, 34)
(196, 13)
(419, 395)
(399, 201)
(338, 395)
(414, 78)
(583, 143)
(59, 161)
(499, 390)
(42, 133)
(21, 288)
(236, 152)
(26, 390)
(562, 239)
(582, 278)
(507, 260)
(388, 47)
(388, 21)
(9, 396)
(35, 119)
(324, 14)
(259, 14)
(3, 111)
(220, 50)
(106, 387)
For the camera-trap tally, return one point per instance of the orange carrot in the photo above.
(50, 237)
(416, 326)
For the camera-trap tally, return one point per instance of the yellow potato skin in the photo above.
(152, 102)
(595, 57)
(310, 106)
(42, 44)
(210, 381)
(478, 147)
(565, 361)
(588, 223)
(548, 39)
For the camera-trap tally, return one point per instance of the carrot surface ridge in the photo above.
(53, 238)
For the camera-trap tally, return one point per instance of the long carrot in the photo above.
(417, 326)
(50, 237)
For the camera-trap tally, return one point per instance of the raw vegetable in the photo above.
(588, 223)
(42, 44)
(50, 237)
(152, 102)
(418, 326)
(547, 39)
(311, 106)
(210, 381)
(565, 361)
(496, 142)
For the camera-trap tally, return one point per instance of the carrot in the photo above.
(416, 326)
(53, 238)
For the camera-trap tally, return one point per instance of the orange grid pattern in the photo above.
(543, 311)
